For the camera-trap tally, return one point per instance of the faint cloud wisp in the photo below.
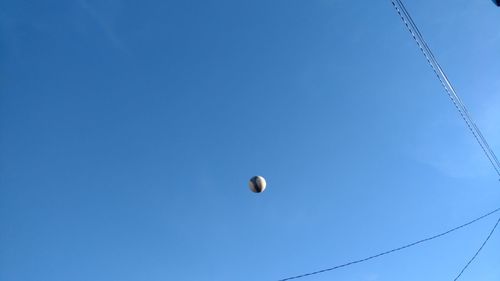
(106, 27)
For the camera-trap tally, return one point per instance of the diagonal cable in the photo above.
(393, 250)
(477, 252)
(445, 82)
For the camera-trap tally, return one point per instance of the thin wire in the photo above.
(477, 252)
(445, 82)
(443, 78)
(393, 250)
(449, 88)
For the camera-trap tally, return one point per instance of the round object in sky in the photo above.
(257, 184)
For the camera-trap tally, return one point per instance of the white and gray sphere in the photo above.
(257, 184)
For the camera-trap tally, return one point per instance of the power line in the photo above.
(443, 78)
(477, 252)
(393, 250)
(464, 113)
(445, 82)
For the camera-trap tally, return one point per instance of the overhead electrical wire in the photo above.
(457, 101)
(445, 82)
(399, 249)
(474, 129)
(477, 252)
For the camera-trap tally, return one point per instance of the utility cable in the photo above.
(477, 252)
(393, 250)
(445, 82)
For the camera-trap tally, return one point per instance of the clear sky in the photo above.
(129, 130)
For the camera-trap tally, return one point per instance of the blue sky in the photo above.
(129, 130)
